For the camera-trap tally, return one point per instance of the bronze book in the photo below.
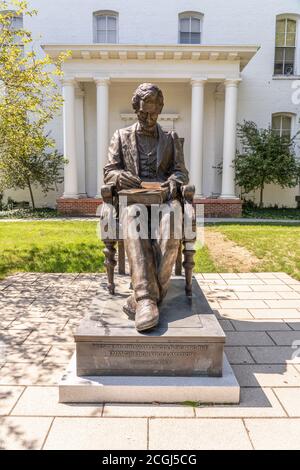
(149, 193)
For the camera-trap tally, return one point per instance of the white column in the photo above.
(218, 139)
(102, 128)
(196, 162)
(70, 171)
(229, 145)
(80, 141)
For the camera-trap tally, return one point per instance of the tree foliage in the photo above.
(29, 100)
(265, 158)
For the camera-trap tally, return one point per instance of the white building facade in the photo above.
(218, 63)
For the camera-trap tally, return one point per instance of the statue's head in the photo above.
(147, 102)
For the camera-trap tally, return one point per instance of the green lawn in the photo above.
(278, 247)
(73, 246)
(59, 246)
(50, 247)
(203, 261)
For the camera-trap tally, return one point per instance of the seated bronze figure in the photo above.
(139, 154)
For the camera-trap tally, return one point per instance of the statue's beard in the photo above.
(147, 127)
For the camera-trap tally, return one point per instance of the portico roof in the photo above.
(180, 52)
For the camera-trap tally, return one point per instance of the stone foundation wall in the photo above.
(212, 207)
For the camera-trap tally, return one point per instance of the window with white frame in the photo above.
(106, 27)
(190, 28)
(17, 22)
(282, 125)
(285, 49)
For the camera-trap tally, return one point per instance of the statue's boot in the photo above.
(130, 307)
(146, 315)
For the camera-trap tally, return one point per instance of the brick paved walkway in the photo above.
(260, 314)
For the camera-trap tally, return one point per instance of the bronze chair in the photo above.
(185, 257)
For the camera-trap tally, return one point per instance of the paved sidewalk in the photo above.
(207, 220)
(246, 221)
(260, 314)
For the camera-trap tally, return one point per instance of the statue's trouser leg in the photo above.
(167, 244)
(140, 254)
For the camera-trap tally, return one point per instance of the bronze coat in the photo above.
(123, 156)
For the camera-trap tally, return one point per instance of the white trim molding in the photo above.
(182, 52)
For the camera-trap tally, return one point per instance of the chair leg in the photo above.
(178, 264)
(188, 264)
(110, 263)
(121, 257)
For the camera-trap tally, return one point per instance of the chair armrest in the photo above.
(188, 192)
(108, 192)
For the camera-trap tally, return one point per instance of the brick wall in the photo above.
(84, 206)
(212, 207)
(221, 207)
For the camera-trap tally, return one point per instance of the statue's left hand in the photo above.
(172, 185)
(127, 180)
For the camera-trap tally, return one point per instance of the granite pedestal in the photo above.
(187, 342)
(182, 359)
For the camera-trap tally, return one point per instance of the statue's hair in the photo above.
(145, 91)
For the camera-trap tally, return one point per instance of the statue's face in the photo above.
(148, 114)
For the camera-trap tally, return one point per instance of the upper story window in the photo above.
(282, 125)
(106, 27)
(285, 49)
(190, 28)
(14, 24)
(17, 22)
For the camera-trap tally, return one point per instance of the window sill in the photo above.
(286, 77)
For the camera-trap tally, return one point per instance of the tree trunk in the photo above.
(31, 195)
(261, 197)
